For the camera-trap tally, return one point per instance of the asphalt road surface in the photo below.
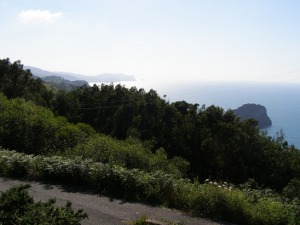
(102, 210)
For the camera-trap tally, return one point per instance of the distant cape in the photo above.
(254, 111)
(105, 78)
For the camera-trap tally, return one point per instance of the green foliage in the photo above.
(219, 201)
(143, 220)
(18, 208)
(130, 154)
(17, 82)
(27, 127)
(292, 190)
(214, 141)
(140, 221)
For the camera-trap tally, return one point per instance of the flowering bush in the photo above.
(221, 201)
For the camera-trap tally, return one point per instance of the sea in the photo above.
(280, 99)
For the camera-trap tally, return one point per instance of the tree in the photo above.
(29, 128)
(17, 82)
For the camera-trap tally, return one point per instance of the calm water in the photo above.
(281, 100)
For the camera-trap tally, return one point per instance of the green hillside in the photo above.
(136, 145)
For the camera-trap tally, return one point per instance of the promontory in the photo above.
(254, 111)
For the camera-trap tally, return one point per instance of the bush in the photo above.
(292, 190)
(18, 207)
(130, 154)
(29, 128)
(218, 201)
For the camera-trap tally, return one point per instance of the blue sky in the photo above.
(256, 40)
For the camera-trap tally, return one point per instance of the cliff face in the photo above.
(254, 111)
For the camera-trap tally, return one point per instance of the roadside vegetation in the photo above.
(243, 204)
(134, 145)
(18, 208)
(145, 221)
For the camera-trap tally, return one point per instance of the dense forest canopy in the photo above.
(215, 143)
(17, 82)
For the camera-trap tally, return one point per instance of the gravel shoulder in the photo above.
(101, 209)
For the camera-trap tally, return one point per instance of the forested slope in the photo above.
(135, 129)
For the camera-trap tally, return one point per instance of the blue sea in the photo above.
(280, 100)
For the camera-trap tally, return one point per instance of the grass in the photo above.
(144, 220)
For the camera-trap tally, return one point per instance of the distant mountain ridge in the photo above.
(105, 78)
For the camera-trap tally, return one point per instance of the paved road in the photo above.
(102, 210)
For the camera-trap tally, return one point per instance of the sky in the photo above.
(232, 40)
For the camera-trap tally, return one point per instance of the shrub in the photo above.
(214, 200)
(130, 154)
(29, 128)
(292, 190)
(18, 207)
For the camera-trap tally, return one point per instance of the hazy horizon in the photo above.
(162, 39)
